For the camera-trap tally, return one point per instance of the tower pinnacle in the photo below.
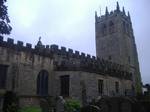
(95, 13)
(106, 12)
(95, 16)
(123, 11)
(118, 8)
(128, 14)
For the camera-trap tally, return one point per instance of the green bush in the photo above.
(72, 105)
(30, 109)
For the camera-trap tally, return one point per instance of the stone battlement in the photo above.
(111, 15)
(72, 60)
(99, 66)
(45, 49)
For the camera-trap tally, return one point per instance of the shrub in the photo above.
(72, 105)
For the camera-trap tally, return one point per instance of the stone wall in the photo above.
(91, 84)
(24, 64)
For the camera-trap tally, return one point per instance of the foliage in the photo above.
(30, 109)
(72, 105)
(10, 102)
(5, 28)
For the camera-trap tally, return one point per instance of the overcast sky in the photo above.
(71, 23)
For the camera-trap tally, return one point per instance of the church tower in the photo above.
(115, 42)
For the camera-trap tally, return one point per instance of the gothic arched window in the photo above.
(104, 29)
(42, 83)
(111, 27)
(124, 26)
(127, 26)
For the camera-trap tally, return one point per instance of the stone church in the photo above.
(50, 71)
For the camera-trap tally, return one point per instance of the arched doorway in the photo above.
(42, 83)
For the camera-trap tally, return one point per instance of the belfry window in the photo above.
(3, 76)
(127, 26)
(64, 83)
(42, 83)
(104, 29)
(111, 27)
(124, 26)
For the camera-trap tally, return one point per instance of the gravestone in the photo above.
(44, 105)
(60, 104)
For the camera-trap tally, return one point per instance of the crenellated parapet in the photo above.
(76, 61)
(21, 46)
(93, 65)
(16, 46)
(70, 60)
(63, 51)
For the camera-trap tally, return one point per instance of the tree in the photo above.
(5, 28)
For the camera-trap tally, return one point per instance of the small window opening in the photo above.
(64, 83)
(100, 86)
(109, 57)
(117, 87)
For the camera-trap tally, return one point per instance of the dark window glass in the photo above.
(117, 87)
(124, 26)
(109, 58)
(3, 76)
(129, 59)
(100, 86)
(64, 82)
(42, 83)
(127, 26)
(104, 29)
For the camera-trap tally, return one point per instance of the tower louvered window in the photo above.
(111, 27)
(104, 29)
(124, 27)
